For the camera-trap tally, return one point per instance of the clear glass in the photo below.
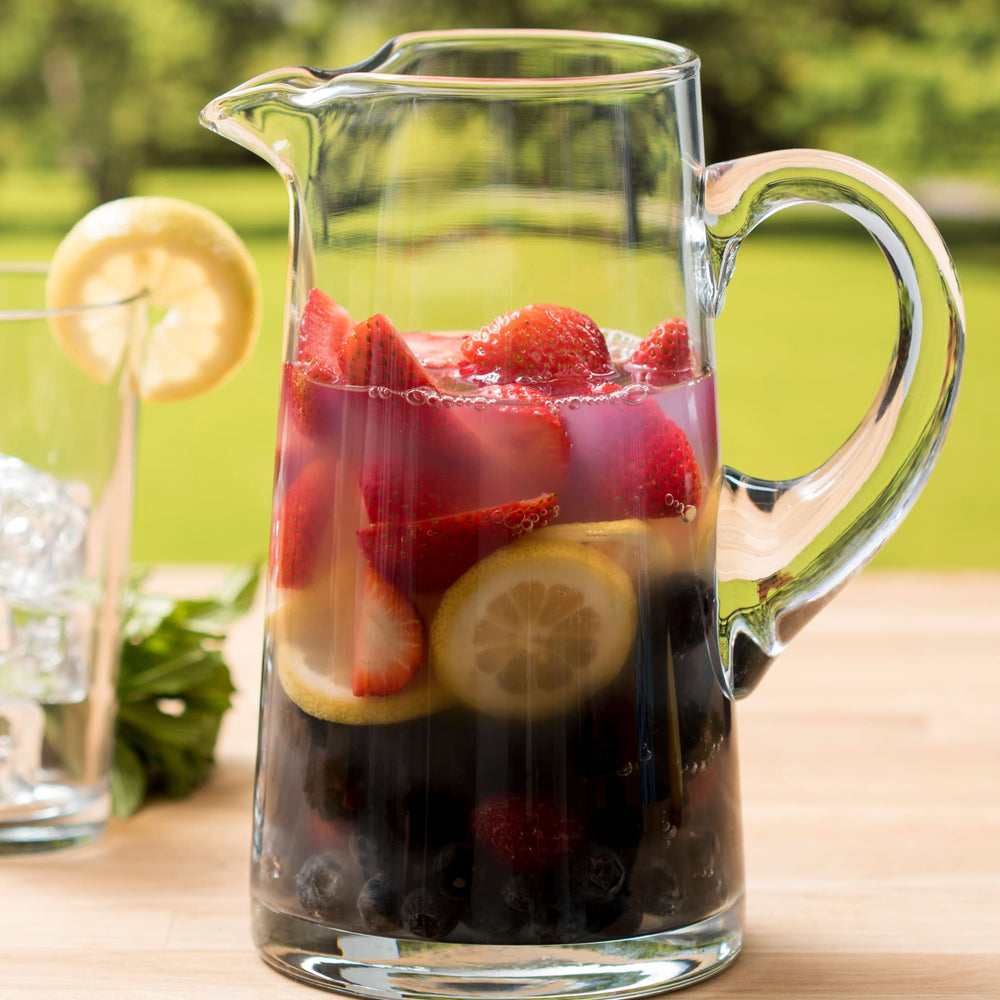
(518, 834)
(66, 471)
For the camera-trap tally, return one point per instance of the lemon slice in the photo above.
(633, 544)
(532, 629)
(311, 637)
(202, 286)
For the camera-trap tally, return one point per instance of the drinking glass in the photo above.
(67, 444)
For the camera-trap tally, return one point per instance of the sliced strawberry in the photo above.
(304, 512)
(323, 326)
(528, 835)
(629, 460)
(523, 448)
(390, 644)
(666, 356)
(432, 553)
(537, 344)
(375, 354)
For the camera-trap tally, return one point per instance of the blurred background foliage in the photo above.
(109, 88)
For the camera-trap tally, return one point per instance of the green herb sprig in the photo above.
(174, 687)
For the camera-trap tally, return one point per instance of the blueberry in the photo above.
(378, 904)
(559, 923)
(429, 914)
(657, 887)
(597, 875)
(518, 893)
(329, 785)
(452, 870)
(322, 887)
(369, 853)
(491, 919)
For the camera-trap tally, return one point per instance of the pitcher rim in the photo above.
(678, 61)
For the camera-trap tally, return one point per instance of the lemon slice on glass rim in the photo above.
(533, 629)
(202, 287)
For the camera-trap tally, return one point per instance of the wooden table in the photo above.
(871, 773)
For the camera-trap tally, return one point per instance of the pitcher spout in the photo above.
(257, 114)
(260, 114)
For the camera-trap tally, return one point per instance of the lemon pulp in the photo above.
(534, 628)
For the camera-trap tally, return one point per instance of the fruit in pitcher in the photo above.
(434, 552)
(323, 326)
(631, 462)
(639, 549)
(313, 634)
(538, 343)
(375, 354)
(534, 629)
(666, 356)
(303, 514)
(526, 834)
(522, 444)
(389, 647)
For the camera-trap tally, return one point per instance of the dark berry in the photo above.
(378, 904)
(491, 919)
(597, 875)
(322, 887)
(452, 870)
(657, 887)
(367, 853)
(689, 606)
(429, 914)
(559, 923)
(329, 786)
(518, 893)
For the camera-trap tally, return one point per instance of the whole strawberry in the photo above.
(538, 343)
(666, 356)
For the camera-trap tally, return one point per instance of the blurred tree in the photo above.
(107, 87)
(111, 86)
(913, 86)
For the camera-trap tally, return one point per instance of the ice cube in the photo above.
(22, 725)
(43, 530)
(43, 649)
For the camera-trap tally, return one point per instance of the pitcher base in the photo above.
(388, 968)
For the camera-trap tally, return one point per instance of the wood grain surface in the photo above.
(870, 772)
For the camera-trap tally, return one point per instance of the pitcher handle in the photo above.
(785, 548)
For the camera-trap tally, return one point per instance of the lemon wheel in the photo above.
(202, 287)
(534, 628)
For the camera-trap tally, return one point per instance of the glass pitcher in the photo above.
(514, 594)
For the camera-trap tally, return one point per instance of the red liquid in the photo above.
(596, 808)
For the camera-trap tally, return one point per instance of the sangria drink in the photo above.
(493, 712)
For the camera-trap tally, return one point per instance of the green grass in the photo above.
(802, 345)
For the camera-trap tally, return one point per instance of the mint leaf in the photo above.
(174, 688)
